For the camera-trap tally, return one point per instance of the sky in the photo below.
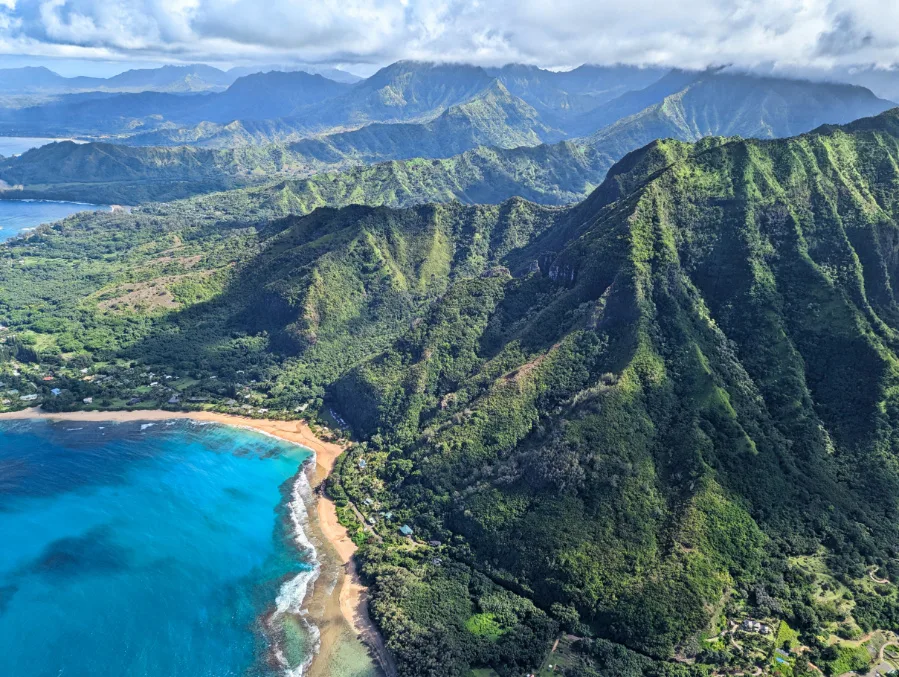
(100, 37)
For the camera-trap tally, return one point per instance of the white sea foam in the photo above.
(292, 596)
(144, 426)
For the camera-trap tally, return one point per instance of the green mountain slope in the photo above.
(258, 96)
(307, 104)
(728, 104)
(491, 118)
(116, 174)
(560, 96)
(670, 406)
(697, 383)
(717, 103)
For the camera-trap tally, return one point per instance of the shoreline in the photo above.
(345, 604)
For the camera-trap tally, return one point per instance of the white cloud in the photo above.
(805, 33)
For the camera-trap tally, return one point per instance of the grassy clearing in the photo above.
(786, 637)
(563, 658)
(484, 625)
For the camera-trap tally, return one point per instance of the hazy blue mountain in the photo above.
(403, 91)
(491, 118)
(414, 91)
(577, 102)
(883, 81)
(712, 103)
(167, 76)
(632, 102)
(335, 74)
(191, 78)
(269, 95)
(29, 78)
(728, 104)
(562, 95)
(35, 85)
(259, 96)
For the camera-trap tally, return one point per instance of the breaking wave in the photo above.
(293, 593)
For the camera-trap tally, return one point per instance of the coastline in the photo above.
(336, 608)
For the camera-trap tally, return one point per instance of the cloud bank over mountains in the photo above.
(746, 33)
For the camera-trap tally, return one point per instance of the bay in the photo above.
(19, 216)
(16, 145)
(151, 549)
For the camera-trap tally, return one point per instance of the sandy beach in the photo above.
(337, 606)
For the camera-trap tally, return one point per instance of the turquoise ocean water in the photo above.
(17, 216)
(173, 550)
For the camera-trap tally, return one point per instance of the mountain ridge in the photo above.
(623, 418)
(712, 103)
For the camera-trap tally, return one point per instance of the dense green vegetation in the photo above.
(112, 174)
(287, 106)
(489, 145)
(115, 174)
(641, 420)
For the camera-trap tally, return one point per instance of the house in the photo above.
(362, 463)
(406, 530)
(28, 398)
(750, 625)
(368, 501)
(372, 519)
(133, 401)
(47, 378)
(174, 399)
(88, 400)
(388, 516)
(435, 544)
(56, 392)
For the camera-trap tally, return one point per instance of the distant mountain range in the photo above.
(297, 105)
(34, 80)
(636, 420)
(494, 142)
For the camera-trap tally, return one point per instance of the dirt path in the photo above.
(892, 640)
(880, 581)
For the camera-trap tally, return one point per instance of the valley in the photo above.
(602, 363)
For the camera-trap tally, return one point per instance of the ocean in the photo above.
(17, 216)
(173, 548)
(16, 145)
